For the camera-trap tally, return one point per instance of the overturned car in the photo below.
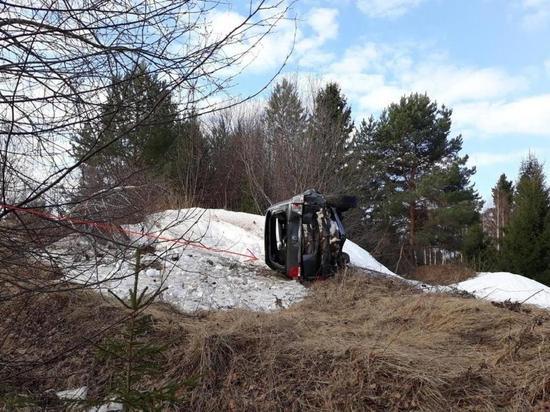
(304, 236)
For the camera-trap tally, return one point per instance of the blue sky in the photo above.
(489, 60)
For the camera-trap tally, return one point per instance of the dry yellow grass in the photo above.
(356, 343)
(443, 274)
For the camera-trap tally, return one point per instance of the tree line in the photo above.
(515, 236)
(417, 202)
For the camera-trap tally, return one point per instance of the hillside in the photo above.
(354, 342)
(366, 339)
(214, 259)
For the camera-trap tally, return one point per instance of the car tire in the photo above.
(341, 202)
(343, 260)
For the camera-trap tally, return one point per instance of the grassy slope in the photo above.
(356, 343)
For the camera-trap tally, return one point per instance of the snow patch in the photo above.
(200, 257)
(78, 394)
(214, 270)
(360, 258)
(501, 286)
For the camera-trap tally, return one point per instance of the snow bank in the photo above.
(360, 258)
(215, 228)
(501, 286)
(201, 257)
(214, 270)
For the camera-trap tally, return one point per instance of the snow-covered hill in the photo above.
(213, 259)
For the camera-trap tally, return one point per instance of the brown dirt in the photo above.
(356, 343)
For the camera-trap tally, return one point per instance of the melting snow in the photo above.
(213, 271)
(502, 286)
(202, 258)
(360, 258)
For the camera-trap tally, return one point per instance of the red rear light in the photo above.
(296, 207)
(294, 272)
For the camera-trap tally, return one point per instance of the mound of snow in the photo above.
(202, 258)
(360, 258)
(215, 228)
(501, 286)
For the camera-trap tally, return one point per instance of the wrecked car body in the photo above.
(304, 236)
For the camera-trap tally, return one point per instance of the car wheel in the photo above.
(341, 202)
(343, 260)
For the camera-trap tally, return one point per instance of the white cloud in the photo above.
(254, 52)
(482, 159)
(486, 101)
(304, 37)
(315, 58)
(523, 116)
(536, 13)
(323, 22)
(357, 59)
(452, 84)
(376, 75)
(324, 25)
(386, 8)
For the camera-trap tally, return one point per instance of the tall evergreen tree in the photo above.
(285, 125)
(415, 186)
(285, 114)
(139, 123)
(502, 199)
(524, 248)
(544, 276)
(331, 118)
(185, 161)
(329, 132)
(478, 249)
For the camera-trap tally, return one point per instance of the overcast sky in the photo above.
(489, 60)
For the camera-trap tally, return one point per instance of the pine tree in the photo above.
(502, 199)
(415, 186)
(524, 248)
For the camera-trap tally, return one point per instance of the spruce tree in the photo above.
(134, 358)
(330, 127)
(138, 121)
(544, 276)
(146, 136)
(285, 115)
(502, 199)
(478, 249)
(331, 121)
(285, 125)
(525, 250)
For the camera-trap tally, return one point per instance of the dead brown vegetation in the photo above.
(356, 343)
(443, 274)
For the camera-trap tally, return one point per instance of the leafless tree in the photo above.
(58, 60)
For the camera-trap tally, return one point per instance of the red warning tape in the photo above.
(114, 228)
